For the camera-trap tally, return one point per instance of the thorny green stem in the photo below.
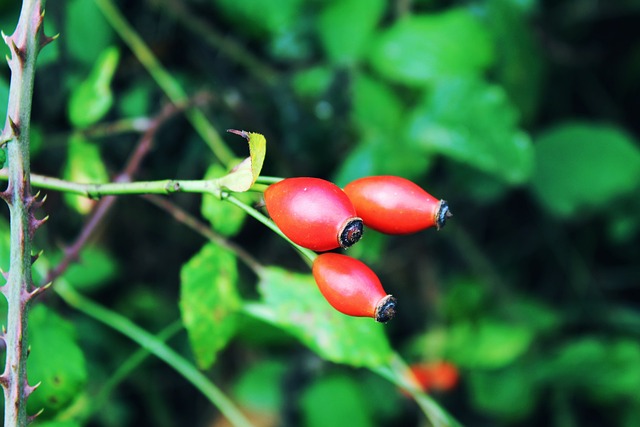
(24, 44)
(165, 80)
(155, 346)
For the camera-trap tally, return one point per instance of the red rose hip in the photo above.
(395, 205)
(313, 213)
(352, 288)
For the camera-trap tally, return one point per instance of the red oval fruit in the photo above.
(352, 288)
(395, 205)
(313, 213)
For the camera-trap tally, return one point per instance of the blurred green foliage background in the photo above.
(522, 114)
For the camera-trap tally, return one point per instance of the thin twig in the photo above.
(227, 46)
(199, 227)
(102, 208)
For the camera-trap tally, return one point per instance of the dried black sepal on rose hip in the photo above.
(313, 213)
(395, 205)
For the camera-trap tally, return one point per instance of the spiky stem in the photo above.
(24, 44)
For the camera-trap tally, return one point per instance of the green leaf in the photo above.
(93, 98)
(465, 299)
(55, 360)
(136, 100)
(244, 175)
(209, 301)
(95, 268)
(344, 397)
(86, 32)
(376, 107)
(224, 217)
(84, 165)
(606, 370)
(421, 49)
(293, 302)
(258, 17)
(345, 27)
(473, 122)
(509, 394)
(312, 82)
(584, 165)
(4, 98)
(3, 157)
(260, 386)
(383, 154)
(487, 343)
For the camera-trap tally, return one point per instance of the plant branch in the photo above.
(165, 80)
(398, 373)
(229, 47)
(190, 221)
(24, 44)
(102, 208)
(122, 373)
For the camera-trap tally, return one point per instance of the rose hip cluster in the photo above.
(318, 215)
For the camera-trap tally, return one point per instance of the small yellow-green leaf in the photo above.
(244, 175)
(93, 98)
(224, 217)
(84, 165)
(209, 301)
(293, 302)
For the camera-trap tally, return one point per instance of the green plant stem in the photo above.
(156, 347)
(399, 374)
(96, 191)
(167, 186)
(268, 179)
(307, 254)
(86, 407)
(163, 78)
(24, 44)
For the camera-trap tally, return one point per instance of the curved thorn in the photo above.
(14, 128)
(31, 418)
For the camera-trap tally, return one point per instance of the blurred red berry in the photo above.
(435, 376)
